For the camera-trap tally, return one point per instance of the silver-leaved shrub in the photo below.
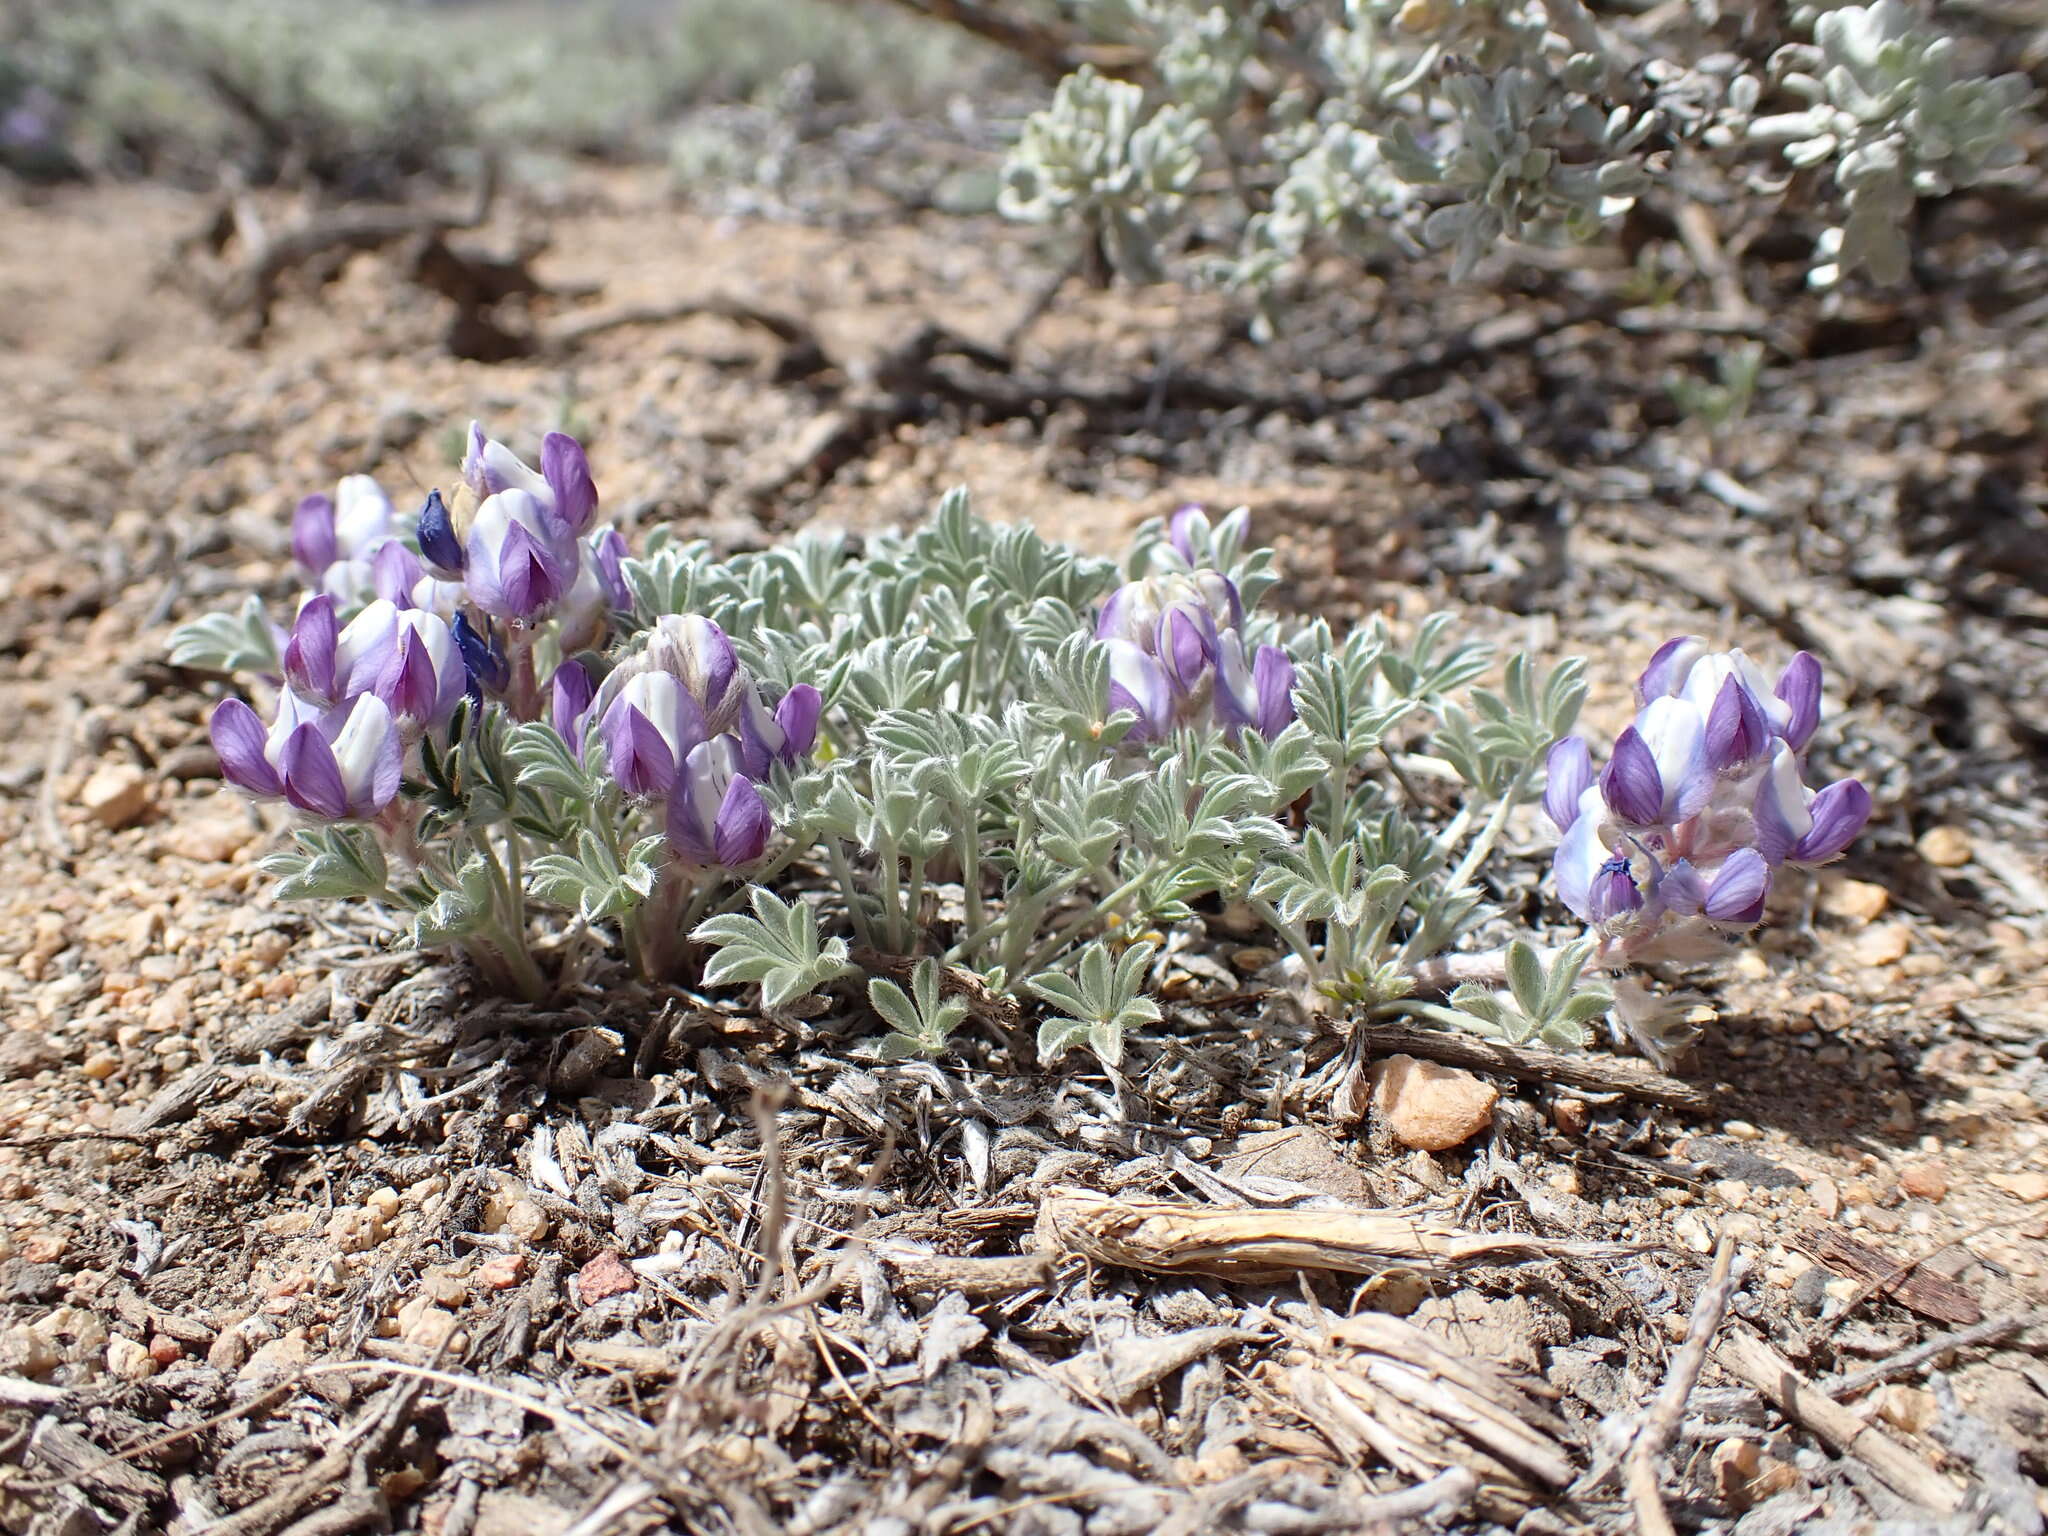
(978, 760)
(1269, 132)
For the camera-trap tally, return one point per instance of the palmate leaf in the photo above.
(334, 863)
(778, 946)
(228, 642)
(1100, 1000)
(921, 1020)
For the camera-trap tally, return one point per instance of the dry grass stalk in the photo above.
(1378, 1387)
(1252, 1244)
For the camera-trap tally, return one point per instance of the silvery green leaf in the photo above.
(778, 946)
(332, 863)
(228, 642)
(461, 912)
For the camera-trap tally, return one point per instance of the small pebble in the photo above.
(1826, 1196)
(115, 795)
(1855, 901)
(1945, 847)
(129, 1360)
(1428, 1106)
(1882, 945)
(1907, 1408)
(1924, 1181)
(604, 1276)
(502, 1272)
(2029, 1186)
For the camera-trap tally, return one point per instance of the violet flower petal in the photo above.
(240, 741)
(1181, 530)
(1779, 812)
(740, 830)
(1737, 732)
(1799, 687)
(1736, 898)
(1273, 682)
(1577, 861)
(1839, 812)
(1614, 892)
(1631, 784)
(798, 714)
(1139, 683)
(394, 572)
(567, 472)
(1569, 769)
(310, 655)
(314, 544)
(1668, 667)
(1681, 889)
(570, 693)
(637, 755)
(311, 774)
(483, 653)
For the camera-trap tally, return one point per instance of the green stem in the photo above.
(1067, 931)
(913, 901)
(1291, 933)
(842, 871)
(892, 894)
(1025, 908)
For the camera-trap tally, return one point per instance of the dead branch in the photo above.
(1907, 1281)
(1257, 1244)
(249, 292)
(1669, 1409)
(1749, 1359)
(1528, 1063)
(1050, 52)
(1908, 1361)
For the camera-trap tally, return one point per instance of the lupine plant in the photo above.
(1373, 128)
(979, 758)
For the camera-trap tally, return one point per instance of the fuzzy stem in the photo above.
(1067, 931)
(842, 871)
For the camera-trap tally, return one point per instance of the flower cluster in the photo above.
(1177, 649)
(359, 695)
(683, 723)
(1673, 846)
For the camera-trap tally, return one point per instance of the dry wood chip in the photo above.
(1909, 1283)
(1255, 1244)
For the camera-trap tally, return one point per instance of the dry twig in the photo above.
(1669, 1408)
(1750, 1359)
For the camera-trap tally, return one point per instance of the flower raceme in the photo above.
(1675, 842)
(339, 764)
(1177, 656)
(683, 722)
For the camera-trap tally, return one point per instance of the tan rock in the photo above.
(1854, 901)
(1882, 945)
(503, 1272)
(1826, 1196)
(352, 1229)
(2027, 1186)
(115, 795)
(1907, 1408)
(129, 1359)
(1429, 1106)
(1945, 847)
(1923, 1181)
(213, 839)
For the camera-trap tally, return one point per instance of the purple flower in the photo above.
(314, 545)
(344, 766)
(408, 658)
(782, 737)
(698, 654)
(716, 816)
(310, 655)
(1139, 683)
(1799, 691)
(483, 653)
(438, 543)
(562, 490)
(1701, 801)
(569, 695)
(516, 564)
(1188, 526)
(1613, 892)
(585, 614)
(340, 764)
(649, 729)
(567, 472)
(1261, 698)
